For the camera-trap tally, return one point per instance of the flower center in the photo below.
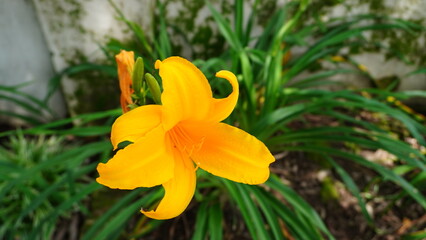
(183, 141)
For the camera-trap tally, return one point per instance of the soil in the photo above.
(341, 213)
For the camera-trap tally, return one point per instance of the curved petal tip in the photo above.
(178, 191)
(157, 64)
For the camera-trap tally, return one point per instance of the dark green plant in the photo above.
(274, 95)
(43, 179)
(36, 111)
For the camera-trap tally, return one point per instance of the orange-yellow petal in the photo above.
(223, 107)
(186, 92)
(178, 191)
(135, 124)
(232, 153)
(145, 163)
(125, 62)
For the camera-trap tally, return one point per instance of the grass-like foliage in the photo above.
(43, 179)
(36, 111)
(49, 179)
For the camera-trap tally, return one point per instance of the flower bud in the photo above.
(137, 77)
(154, 87)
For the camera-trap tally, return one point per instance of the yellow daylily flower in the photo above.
(125, 62)
(170, 141)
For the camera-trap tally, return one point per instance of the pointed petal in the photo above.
(145, 163)
(135, 124)
(231, 153)
(223, 107)
(125, 62)
(178, 191)
(187, 94)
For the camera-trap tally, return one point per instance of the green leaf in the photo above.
(215, 222)
(77, 154)
(52, 216)
(352, 187)
(312, 80)
(271, 216)
(114, 226)
(225, 28)
(248, 209)
(100, 222)
(163, 44)
(201, 222)
(420, 235)
(299, 204)
(81, 119)
(52, 188)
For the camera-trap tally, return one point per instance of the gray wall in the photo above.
(25, 57)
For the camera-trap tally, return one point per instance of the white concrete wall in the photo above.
(77, 28)
(25, 57)
(82, 26)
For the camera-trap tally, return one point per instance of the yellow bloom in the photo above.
(171, 139)
(125, 62)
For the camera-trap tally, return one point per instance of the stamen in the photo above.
(183, 141)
